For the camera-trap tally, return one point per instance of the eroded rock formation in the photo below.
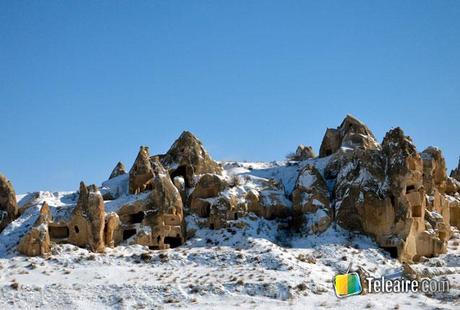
(8, 205)
(86, 226)
(118, 170)
(352, 133)
(310, 198)
(188, 158)
(303, 152)
(141, 173)
(37, 241)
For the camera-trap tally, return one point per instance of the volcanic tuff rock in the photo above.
(434, 170)
(88, 219)
(209, 185)
(401, 198)
(37, 241)
(8, 205)
(187, 158)
(141, 173)
(352, 133)
(456, 172)
(303, 153)
(311, 198)
(118, 170)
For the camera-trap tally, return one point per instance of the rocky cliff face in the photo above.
(389, 191)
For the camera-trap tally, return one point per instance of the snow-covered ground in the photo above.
(254, 263)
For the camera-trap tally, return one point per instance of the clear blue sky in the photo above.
(84, 83)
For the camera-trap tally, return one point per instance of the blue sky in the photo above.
(84, 83)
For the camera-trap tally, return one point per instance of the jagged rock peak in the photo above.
(352, 133)
(188, 158)
(8, 205)
(118, 170)
(456, 172)
(141, 173)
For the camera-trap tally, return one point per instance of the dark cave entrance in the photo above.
(392, 250)
(173, 242)
(136, 218)
(58, 232)
(128, 233)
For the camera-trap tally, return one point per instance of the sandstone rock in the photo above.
(310, 197)
(380, 192)
(8, 205)
(113, 233)
(188, 158)
(303, 153)
(118, 170)
(456, 172)
(157, 221)
(434, 170)
(209, 185)
(352, 133)
(179, 183)
(86, 226)
(141, 173)
(37, 241)
(452, 186)
(270, 202)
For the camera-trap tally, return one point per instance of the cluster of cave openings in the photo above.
(58, 232)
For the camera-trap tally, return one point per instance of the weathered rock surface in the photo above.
(37, 241)
(118, 170)
(310, 200)
(8, 206)
(381, 193)
(188, 158)
(86, 226)
(352, 133)
(434, 170)
(209, 185)
(141, 173)
(456, 172)
(303, 153)
(158, 220)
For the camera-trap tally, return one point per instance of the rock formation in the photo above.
(456, 172)
(188, 158)
(380, 192)
(209, 185)
(310, 200)
(37, 241)
(8, 206)
(118, 170)
(401, 198)
(270, 202)
(352, 133)
(157, 221)
(303, 153)
(86, 226)
(434, 170)
(141, 173)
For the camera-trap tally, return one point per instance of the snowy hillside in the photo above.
(253, 263)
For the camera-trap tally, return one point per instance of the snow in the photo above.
(254, 263)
